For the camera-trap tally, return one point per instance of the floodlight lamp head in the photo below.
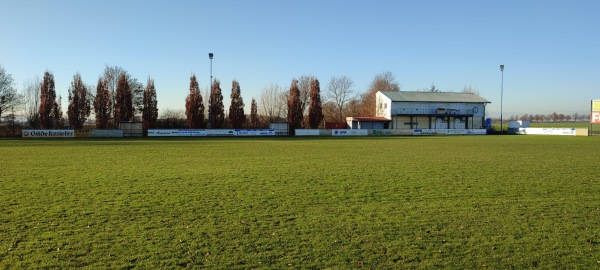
(210, 55)
(501, 67)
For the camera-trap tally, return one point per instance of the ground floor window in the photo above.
(436, 122)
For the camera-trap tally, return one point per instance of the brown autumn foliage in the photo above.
(149, 106)
(79, 104)
(216, 106)
(315, 109)
(295, 113)
(194, 107)
(50, 113)
(123, 100)
(102, 105)
(254, 118)
(384, 82)
(237, 118)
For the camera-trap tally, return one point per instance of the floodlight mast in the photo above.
(501, 95)
(210, 118)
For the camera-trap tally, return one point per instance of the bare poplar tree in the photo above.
(137, 92)
(31, 94)
(9, 98)
(470, 89)
(269, 102)
(304, 83)
(172, 118)
(339, 92)
(111, 77)
(59, 119)
(282, 104)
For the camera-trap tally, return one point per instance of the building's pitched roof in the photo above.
(368, 119)
(452, 97)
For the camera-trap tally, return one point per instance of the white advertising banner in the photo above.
(192, 132)
(391, 132)
(548, 131)
(349, 132)
(48, 133)
(255, 132)
(449, 132)
(209, 132)
(308, 132)
(220, 132)
(176, 132)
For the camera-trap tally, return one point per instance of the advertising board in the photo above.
(254, 132)
(48, 133)
(349, 132)
(209, 132)
(191, 132)
(449, 132)
(307, 132)
(548, 131)
(176, 132)
(220, 132)
(390, 132)
(595, 114)
(596, 105)
(595, 118)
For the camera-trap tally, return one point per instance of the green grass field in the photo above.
(460, 202)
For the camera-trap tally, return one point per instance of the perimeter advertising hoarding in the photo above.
(596, 105)
(349, 132)
(254, 132)
(209, 132)
(449, 132)
(548, 131)
(595, 116)
(175, 132)
(308, 132)
(48, 133)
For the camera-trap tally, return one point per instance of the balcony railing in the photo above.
(431, 112)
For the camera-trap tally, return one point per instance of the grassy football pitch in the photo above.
(459, 202)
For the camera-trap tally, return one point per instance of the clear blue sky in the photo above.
(551, 49)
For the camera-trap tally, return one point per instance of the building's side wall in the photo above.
(383, 106)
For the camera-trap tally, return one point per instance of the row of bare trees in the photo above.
(119, 97)
(195, 108)
(340, 100)
(551, 117)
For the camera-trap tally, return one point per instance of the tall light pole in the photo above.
(210, 118)
(501, 94)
